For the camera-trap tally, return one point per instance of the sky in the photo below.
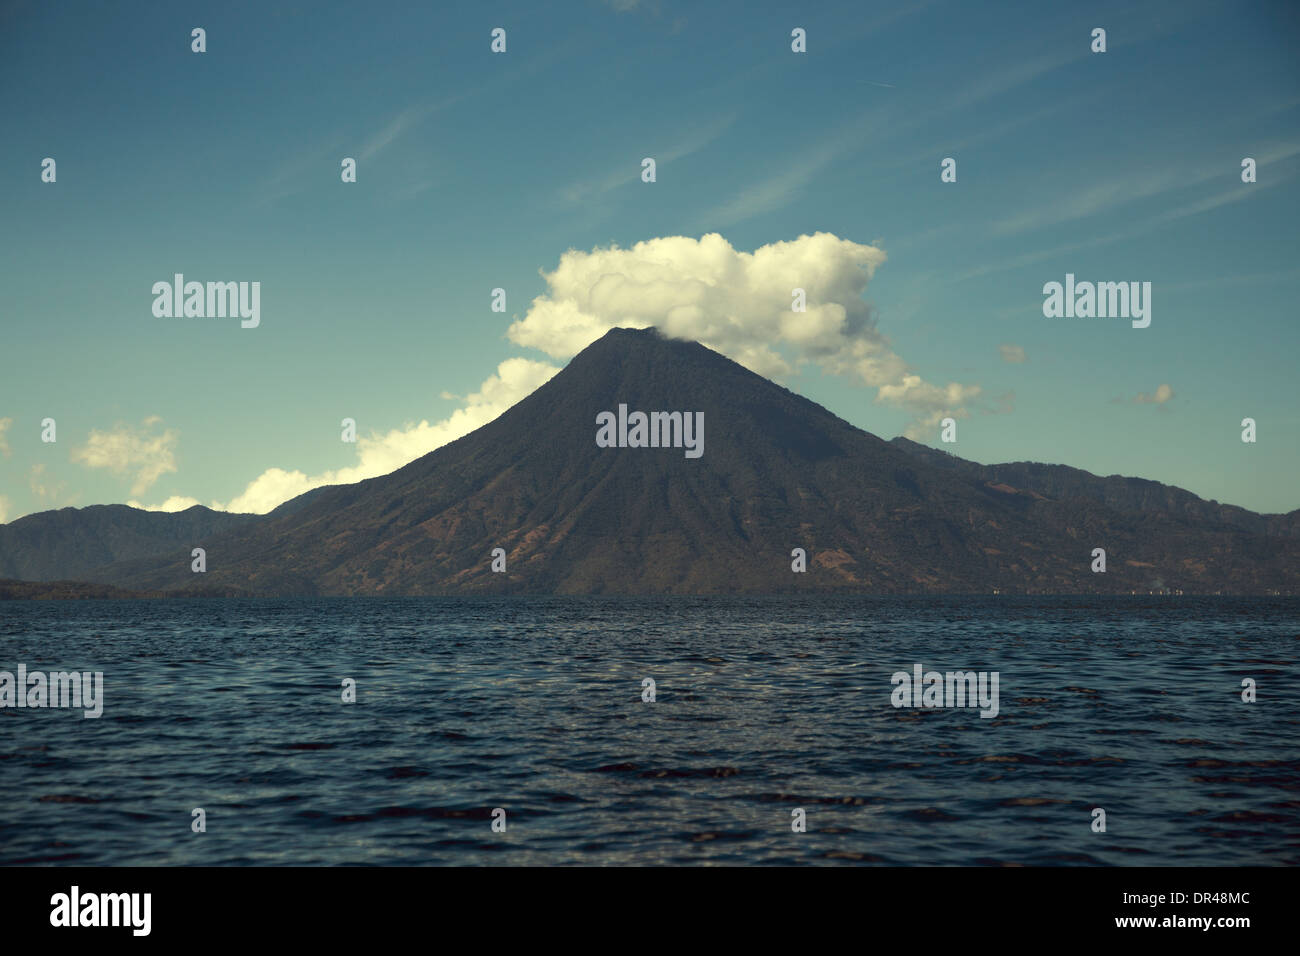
(522, 170)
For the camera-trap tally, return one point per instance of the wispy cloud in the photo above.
(44, 487)
(785, 187)
(629, 170)
(403, 122)
(1072, 204)
(301, 171)
(1131, 187)
(1009, 78)
(1150, 224)
(886, 123)
(1163, 393)
(126, 450)
(869, 21)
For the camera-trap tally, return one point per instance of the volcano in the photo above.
(777, 473)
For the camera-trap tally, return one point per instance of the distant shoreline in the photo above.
(11, 590)
(67, 591)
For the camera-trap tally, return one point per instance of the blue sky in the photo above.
(479, 170)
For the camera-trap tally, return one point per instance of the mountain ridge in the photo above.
(778, 472)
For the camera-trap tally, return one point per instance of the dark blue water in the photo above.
(763, 706)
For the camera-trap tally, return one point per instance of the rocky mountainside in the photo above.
(777, 472)
(70, 542)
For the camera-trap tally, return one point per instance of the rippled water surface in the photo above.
(763, 706)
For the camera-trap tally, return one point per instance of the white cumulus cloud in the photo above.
(740, 304)
(379, 454)
(126, 450)
(174, 503)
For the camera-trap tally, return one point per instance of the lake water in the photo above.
(762, 706)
